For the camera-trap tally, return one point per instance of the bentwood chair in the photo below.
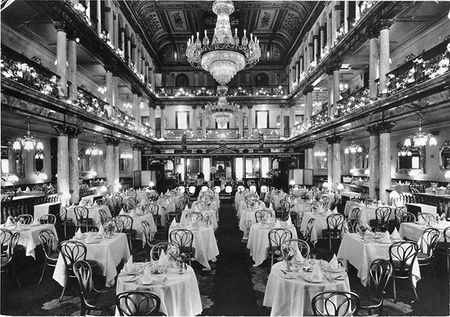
(402, 256)
(194, 217)
(91, 298)
(72, 251)
(103, 216)
(301, 245)
(127, 228)
(264, 215)
(66, 221)
(427, 244)
(447, 247)
(183, 238)
(335, 303)
(115, 226)
(382, 215)
(167, 247)
(308, 231)
(47, 219)
(153, 209)
(82, 218)
(380, 272)
(5, 236)
(136, 303)
(398, 214)
(351, 225)
(277, 237)
(355, 213)
(426, 217)
(49, 243)
(408, 217)
(25, 219)
(335, 223)
(7, 258)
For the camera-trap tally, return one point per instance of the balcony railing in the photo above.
(174, 134)
(355, 101)
(211, 91)
(430, 64)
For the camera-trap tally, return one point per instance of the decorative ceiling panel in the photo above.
(169, 24)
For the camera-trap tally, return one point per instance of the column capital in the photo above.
(315, 37)
(138, 146)
(309, 145)
(386, 23)
(72, 34)
(61, 129)
(110, 140)
(136, 91)
(112, 69)
(74, 131)
(308, 89)
(322, 28)
(334, 139)
(374, 32)
(386, 126)
(61, 26)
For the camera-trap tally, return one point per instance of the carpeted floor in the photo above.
(232, 287)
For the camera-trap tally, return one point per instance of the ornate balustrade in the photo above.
(355, 101)
(211, 91)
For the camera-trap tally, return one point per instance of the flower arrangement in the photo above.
(179, 258)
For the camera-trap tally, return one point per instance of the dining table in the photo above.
(210, 214)
(414, 230)
(94, 213)
(367, 212)
(138, 217)
(44, 209)
(289, 293)
(258, 238)
(179, 292)
(204, 242)
(361, 250)
(107, 252)
(29, 236)
(320, 224)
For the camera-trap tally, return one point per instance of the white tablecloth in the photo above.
(247, 219)
(179, 295)
(258, 241)
(29, 237)
(425, 208)
(204, 242)
(319, 225)
(361, 253)
(43, 209)
(212, 214)
(367, 213)
(137, 225)
(413, 231)
(292, 297)
(93, 213)
(108, 253)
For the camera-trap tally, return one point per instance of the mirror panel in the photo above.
(411, 159)
(38, 162)
(444, 156)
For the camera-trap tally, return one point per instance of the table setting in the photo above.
(139, 215)
(290, 288)
(109, 249)
(414, 230)
(320, 223)
(94, 213)
(169, 277)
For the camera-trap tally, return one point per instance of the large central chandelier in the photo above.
(28, 142)
(420, 138)
(225, 55)
(222, 111)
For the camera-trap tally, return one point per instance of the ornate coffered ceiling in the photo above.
(168, 24)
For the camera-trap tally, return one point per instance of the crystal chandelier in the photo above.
(222, 111)
(226, 55)
(28, 143)
(126, 154)
(420, 138)
(353, 148)
(94, 150)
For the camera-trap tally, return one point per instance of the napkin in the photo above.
(129, 265)
(386, 237)
(395, 235)
(174, 222)
(316, 275)
(36, 221)
(78, 234)
(334, 264)
(19, 225)
(27, 189)
(298, 256)
(277, 224)
(122, 212)
(9, 223)
(101, 231)
(132, 213)
(163, 259)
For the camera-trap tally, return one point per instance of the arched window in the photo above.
(182, 80)
(262, 80)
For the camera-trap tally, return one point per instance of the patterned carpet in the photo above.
(233, 287)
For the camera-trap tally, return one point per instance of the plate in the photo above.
(92, 241)
(129, 278)
(339, 278)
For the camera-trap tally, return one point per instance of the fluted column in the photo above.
(336, 91)
(357, 11)
(122, 39)
(333, 26)
(163, 121)
(62, 185)
(74, 174)
(194, 119)
(329, 31)
(330, 162)
(297, 72)
(374, 160)
(151, 117)
(307, 93)
(384, 54)
(116, 161)
(330, 92)
(337, 13)
(109, 19)
(128, 48)
(61, 58)
(302, 67)
(137, 108)
(282, 120)
(72, 74)
(110, 162)
(250, 121)
(346, 13)
(309, 156)
(316, 49)
(385, 129)
(291, 118)
(373, 62)
(204, 122)
(137, 150)
(99, 16)
(323, 40)
(337, 166)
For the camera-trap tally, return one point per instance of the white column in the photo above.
(373, 63)
(330, 86)
(307, 93)
(109, 163)
(336, 92)
(384, 54)
(282, 120)
(116, 29)
(330, 164)
(88, 9)
(337, 168)
(291, 118)
(99, 16)
(250, 121)
(137, 157)
(62, 185)
(374, 160)
(163, 121)
(137, 110)
(61, 59)
(109, 17)
(204, 122)
(116, 162)
(193, 124)
(72, 59)
(74, 174)
(323, 40)
(385, 160)
(151, 117)
(316, 48)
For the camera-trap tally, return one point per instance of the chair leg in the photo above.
(414, 289)
(63, 291)
(43, 271)
(394, 289)
(271, 260)
(13, 271)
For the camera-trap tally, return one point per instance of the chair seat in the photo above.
(188, 250)
(423, 257)
(54, 256)
(4, 260)
(105, 299)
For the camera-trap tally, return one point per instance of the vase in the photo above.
(288, 265)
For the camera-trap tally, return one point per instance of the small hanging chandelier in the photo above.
(354, 148)
(420, 138)
(126, 155)
(222, 111)
(28, 143)
(94, 150)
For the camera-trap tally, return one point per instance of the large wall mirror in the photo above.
(444, 156)
(411, 159)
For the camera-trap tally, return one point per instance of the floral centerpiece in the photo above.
(287, 254)
(179, 258)
(109, 229)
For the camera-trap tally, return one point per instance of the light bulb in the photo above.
(432, 141)
(407, 142)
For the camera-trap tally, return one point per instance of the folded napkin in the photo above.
(277, 224)
(334, 264)
(19, 225)
(395, 235)
(386, 237)
(36, 221)
(122, 212)
(316, 275)
(298, 256)
(174, 222)
(78, 234)
(9, 222)
(27, 189)
(129, 265)
(101, 231)
(163, 259)
(334, 211)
